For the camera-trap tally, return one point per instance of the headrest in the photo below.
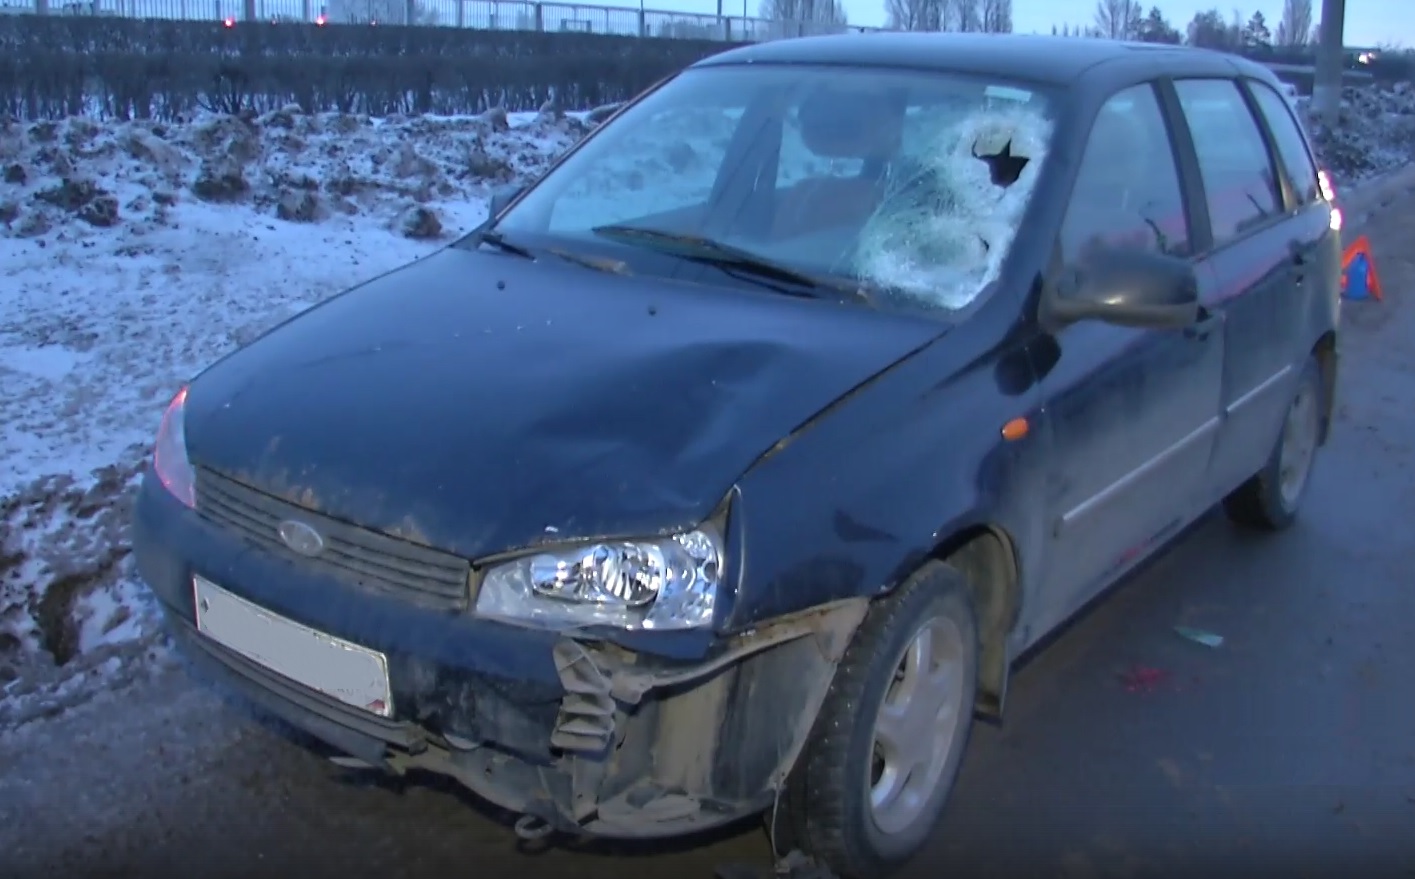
(841, 123)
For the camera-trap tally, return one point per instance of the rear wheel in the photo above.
(872, 781)
(1271, 498)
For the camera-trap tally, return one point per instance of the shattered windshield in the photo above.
(908, 182)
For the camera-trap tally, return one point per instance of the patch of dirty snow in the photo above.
(297, 167)
(1374, 133)
(224, 227)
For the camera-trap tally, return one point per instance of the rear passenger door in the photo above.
(1257, 249)
(1133, 413)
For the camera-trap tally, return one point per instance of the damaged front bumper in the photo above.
(591, 738)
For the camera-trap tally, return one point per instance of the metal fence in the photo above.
(505, 15)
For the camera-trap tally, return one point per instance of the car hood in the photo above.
(480, 402)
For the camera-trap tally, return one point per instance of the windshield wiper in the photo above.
(599, 264)
(497, 240)
(726, 256)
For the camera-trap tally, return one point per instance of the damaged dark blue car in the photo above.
(727, 468)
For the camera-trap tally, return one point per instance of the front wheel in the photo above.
(873, 778)
(1271, 498)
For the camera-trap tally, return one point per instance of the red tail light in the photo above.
(1325, 185)
(1328, 192)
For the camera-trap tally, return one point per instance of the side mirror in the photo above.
(501, 198)
(1132, 288)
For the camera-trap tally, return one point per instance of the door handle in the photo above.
(1204, 326)
(1298, 252)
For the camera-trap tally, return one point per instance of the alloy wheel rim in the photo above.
(1299, 447)
(915, 726)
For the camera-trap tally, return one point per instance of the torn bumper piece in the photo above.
(633, 750)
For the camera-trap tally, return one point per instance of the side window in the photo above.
(1127, 191)
(1240, 183)
(1291, 146)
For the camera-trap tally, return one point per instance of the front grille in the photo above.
(368, 558)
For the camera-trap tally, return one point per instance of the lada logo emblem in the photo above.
(301, 538)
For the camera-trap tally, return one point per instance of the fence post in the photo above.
(305, 11)
(540, 18)
(41, 7)
(248, 10)
(461, 14)
(410, 12)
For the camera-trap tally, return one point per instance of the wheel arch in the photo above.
(986, 556)
(1326, 356)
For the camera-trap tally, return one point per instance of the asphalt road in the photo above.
(1289, 749)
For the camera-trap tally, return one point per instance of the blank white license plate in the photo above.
(352, 674)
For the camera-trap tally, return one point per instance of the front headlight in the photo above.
(657, 583)
(169, 452)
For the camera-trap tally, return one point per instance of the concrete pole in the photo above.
(1326, 91)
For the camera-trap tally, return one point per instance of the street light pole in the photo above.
(1326, 89)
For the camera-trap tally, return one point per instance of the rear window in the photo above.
(1291, 146)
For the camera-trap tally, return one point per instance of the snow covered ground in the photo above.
(169, 246)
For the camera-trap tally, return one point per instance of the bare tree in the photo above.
(993, 16)
(1118, 19)
(827, 12)
(1295, 25)
(997, 16)
(967, 16)
(915, 15)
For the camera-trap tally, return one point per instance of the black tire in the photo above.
(824, 810)
(1262, 502)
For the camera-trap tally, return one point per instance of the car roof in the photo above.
(1031, 57)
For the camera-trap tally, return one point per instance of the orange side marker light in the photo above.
(1015, 429)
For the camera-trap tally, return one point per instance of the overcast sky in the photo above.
(1368, 22)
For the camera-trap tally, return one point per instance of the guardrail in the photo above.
(505, 15)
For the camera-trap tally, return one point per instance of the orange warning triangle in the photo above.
(1361, 247)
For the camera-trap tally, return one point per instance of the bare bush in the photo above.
(120, 68)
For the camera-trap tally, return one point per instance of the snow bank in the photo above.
(1374, 135)
(295, 167)
(133, 254)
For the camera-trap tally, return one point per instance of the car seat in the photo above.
(841, 124)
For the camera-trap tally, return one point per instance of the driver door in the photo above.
(1134, 413)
